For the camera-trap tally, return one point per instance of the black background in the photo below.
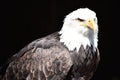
(24, 21)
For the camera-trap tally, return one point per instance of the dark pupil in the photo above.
(80, 19)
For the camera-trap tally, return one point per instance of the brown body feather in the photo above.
(48, 59)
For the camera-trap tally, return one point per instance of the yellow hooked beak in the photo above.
(89, 23)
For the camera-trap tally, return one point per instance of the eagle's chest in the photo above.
(84, 61)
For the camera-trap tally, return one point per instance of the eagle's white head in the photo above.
(80, 28)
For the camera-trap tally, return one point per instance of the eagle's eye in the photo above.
(80, 19)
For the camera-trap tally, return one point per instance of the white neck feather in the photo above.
(74, 39)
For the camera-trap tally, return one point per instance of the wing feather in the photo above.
(43, 59)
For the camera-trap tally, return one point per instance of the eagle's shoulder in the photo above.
(43, 43)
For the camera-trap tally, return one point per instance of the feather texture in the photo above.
(51, 61)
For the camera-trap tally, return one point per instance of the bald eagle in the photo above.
(69, 54)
